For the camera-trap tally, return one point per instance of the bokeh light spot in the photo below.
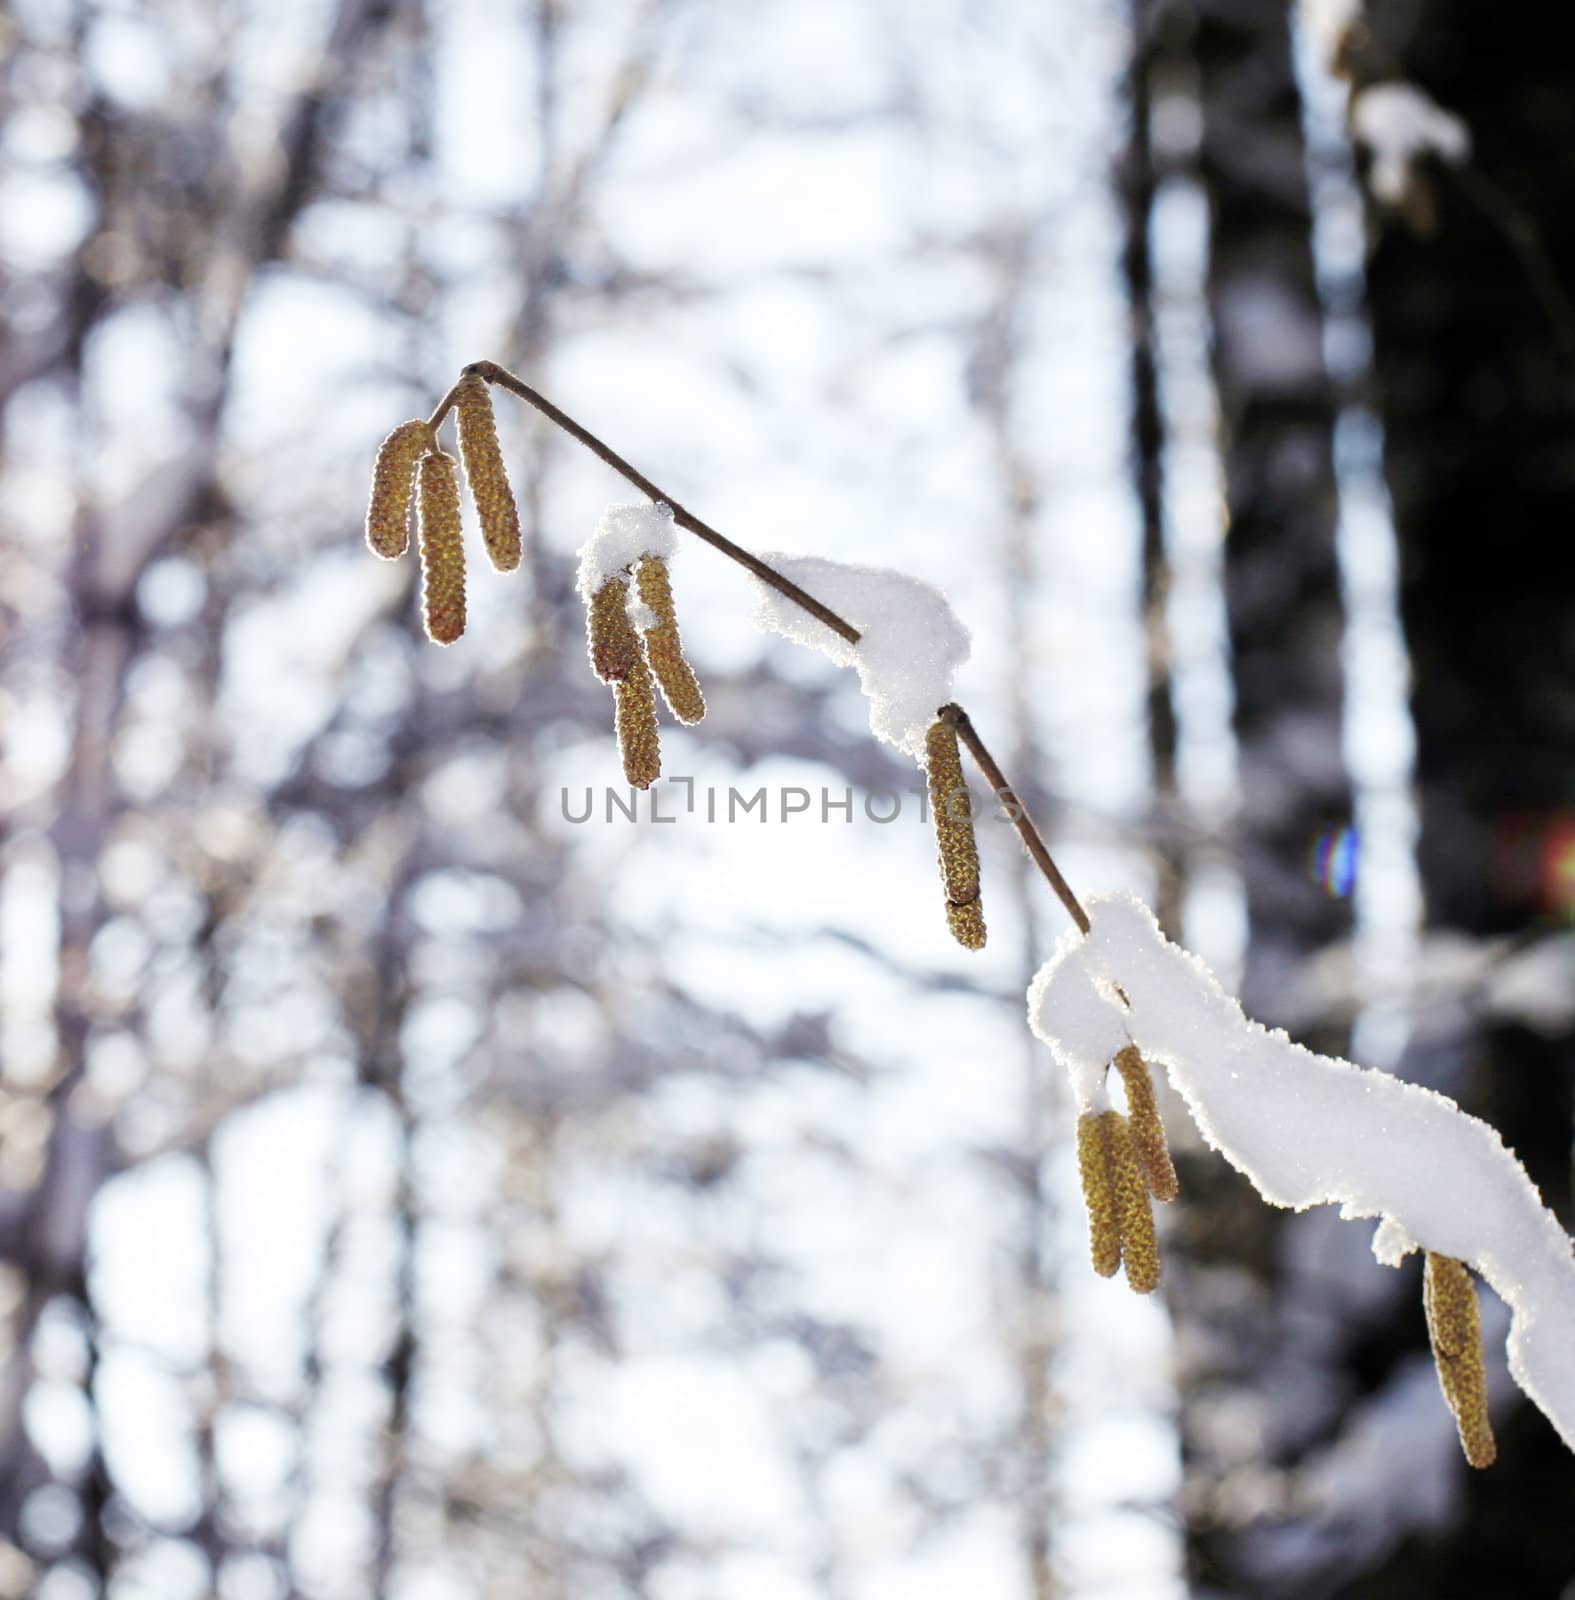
(1557, 868)
(1332, 860)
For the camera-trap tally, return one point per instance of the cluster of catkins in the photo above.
(626, 650)
(1122, 1161)
(629, 645)
(411, 457)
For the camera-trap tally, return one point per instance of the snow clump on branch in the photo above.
(910, 647)
(1310, 1130)
(1400, 124)
(620, 538)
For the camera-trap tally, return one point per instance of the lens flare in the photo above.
(1332, 861)
(1557, 869)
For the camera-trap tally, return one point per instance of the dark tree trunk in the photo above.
(1137, 182)
(1244, 1354)
(1277, 425)
(1475, 357)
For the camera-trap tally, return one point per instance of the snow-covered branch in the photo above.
(1313, 1130)
(1306, 1129)
(910, 644)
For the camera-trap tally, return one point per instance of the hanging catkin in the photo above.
(663, 647)
(1148, 1132)
(1120, 1224)
(442, 549)
(635, 719)
(616, 658)
(1450, 1300)
(393, 476)
(1099, 1194)
(484, 472)
(1139, 1247)
(952, 808)
(610, 637)
(967, 923)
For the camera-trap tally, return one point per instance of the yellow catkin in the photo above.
(1148, 1132)
(1450, 1299)
(952, 808)
(635, 718)
(393, 476)
(1139, 1247)
(1099, 1194)
(442, 548)
(967, 924)
(484, 472)
(663, 647)
(614, 646)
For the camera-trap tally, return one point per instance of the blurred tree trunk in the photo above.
(1475, 358)
(995, 374)
(1137, 181)
(115, 539)
(1239, 1346)
(1277, 422)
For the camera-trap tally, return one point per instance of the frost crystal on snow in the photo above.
(911, 643)
(1391, 1243)
(624, 534)
(1313, 1130)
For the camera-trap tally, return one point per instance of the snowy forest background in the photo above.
(407, 1192)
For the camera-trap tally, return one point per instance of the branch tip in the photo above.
(965, 919)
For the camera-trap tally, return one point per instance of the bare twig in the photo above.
(505, 379)
(954, 714)
(1015, 809)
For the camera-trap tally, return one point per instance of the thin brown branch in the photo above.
(1034, 843)
(505, 379)
(1016, 810)
(446, 404)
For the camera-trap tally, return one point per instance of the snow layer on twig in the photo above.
(911, 646)
(1399, 123)
(1312, 1130)
(624, 534)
